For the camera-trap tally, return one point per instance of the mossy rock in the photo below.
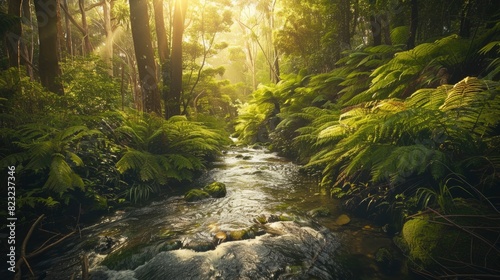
(216, 189)
(342, 220)
(321, 211)
(170, 245)
(128, 257)
(238, 235)
(200, 246)
(385, 260)
(195, 195)
(428, 242)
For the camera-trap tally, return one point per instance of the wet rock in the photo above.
(216, 189)
(262, 219)
(128, 257)
(200, 245)
(170, 245)
(105, 244)
(238, 234)
(385, 260)
(298, 253)
(342, 220)
(319, 212)
(195, 195)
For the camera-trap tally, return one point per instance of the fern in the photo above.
(160, 151)
(474, 104)
(50, 150)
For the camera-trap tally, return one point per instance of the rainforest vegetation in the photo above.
(393, 106)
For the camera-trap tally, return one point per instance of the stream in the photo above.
(268, 216)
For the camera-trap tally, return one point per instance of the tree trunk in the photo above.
(386, 28)
(49, 71)
(60, 33)
(163, 50)
(376, 27)
(345, 22)
(14, 35)
(87, 46)
(465, 22)
(413, 24)
(27, 47)
(275, 56)
(108, 50)
(172, 105)
(69, 37)
(139, 22)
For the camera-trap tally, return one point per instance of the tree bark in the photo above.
(108, 50)
(87, 46)
(172, 105)
(376, 27)
(69, 37)
(345, 25)
(465, 21)
(27, 45)
(139, 22)
(14, 35)
(60, 33)
(386, 28)
(163, 50)
(413, 24)
(49, 71)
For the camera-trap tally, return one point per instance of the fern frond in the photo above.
(61, 176)
(429, 98)
(474, 104)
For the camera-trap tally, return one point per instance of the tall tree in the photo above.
(49, 71)
(108, 50)
(69, 36)
(139, 22)
(14, 35)
(172, 105)
(163, 49)
(87, 46)
(413, 24)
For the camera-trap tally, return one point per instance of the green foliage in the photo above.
(48, 149)
(442, 197)
(23, 100)
(386, 122)
(89, 88)
(160, 151)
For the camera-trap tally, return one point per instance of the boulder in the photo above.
(195, 195)
(319, 212)
(216, 189)
(429, 242)
(342, 220)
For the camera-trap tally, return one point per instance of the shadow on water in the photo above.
(151, 242)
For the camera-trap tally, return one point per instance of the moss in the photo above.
(216, 189)
(286, 218)
(242, 234)
(385, 260)
(195, 195)
(429, 242)
(319, 212)
(122, 259)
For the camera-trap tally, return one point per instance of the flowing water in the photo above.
(174, 239)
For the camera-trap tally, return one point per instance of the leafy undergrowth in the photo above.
(393, 132)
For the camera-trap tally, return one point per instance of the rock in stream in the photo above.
(298, 252)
